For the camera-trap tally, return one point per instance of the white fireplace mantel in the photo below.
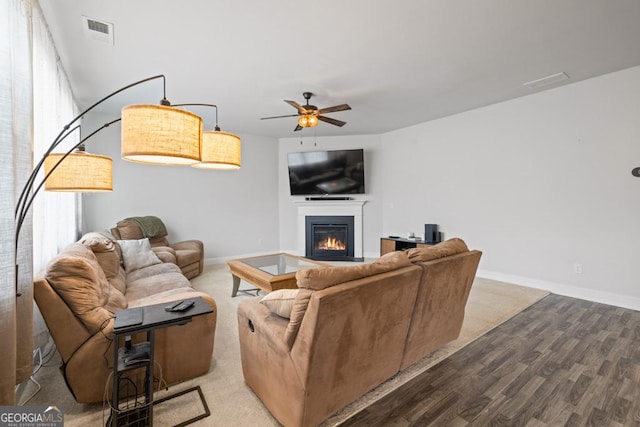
(332, 207)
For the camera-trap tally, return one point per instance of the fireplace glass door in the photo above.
(329, 238)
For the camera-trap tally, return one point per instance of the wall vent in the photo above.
(95, 29)
(547, 81)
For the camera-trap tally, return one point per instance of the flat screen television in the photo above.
(326, 172)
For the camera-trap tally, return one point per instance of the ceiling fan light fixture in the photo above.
(308, 120)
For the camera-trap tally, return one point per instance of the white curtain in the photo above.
(56, 215)
(16, 327)
(36, 102)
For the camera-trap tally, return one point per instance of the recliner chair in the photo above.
(188, 254)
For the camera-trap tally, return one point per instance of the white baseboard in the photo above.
(602, 297)
(222, 260)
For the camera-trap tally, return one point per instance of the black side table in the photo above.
(140, 355)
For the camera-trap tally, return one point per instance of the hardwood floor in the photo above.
(561, 362)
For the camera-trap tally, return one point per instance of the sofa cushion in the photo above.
(173, 294)
(280, 302)
(137, 254)
(77, 277)
(109, 256)
(429, 253)
(129, 230)
(187, 256)
(297, 314)
(150, 285)
(152, 270)
(320, 278)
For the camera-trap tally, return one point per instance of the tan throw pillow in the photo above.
(447, 248)
(280, 302)
(137, 254)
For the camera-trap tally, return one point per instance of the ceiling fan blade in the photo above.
(297, 106)
(298, 127)
(278, 117)
(332, 121)
(341, 107)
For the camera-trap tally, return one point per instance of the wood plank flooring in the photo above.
(561, 362)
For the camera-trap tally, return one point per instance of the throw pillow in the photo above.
(280, 302)
(137, 254)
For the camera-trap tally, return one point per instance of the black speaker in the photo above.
(431, 233)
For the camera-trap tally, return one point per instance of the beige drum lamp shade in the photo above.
(220, 150)
(160, 134)
(79, 171)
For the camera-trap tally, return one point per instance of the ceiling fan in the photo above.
(308, 115)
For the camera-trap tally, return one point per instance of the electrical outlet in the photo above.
(577, 268)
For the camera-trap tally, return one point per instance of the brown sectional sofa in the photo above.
(82, 288)
(351, 328)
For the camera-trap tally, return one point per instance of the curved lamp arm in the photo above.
(217, 128)
(27, 195)
(62, 135)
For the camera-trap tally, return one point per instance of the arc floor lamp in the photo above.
(156, 134)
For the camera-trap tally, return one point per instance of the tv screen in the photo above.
(326, 172)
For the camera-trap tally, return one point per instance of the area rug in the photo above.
(229, 399)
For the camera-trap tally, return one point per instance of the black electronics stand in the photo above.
(140, 356)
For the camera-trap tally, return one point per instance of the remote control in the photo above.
(172, 306)
(183, 306)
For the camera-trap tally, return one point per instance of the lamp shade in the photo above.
(79, 171)
(220, 150)
(160, 134)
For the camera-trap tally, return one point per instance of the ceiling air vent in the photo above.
(547, 81)
(97, 30)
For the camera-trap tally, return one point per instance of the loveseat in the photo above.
(90, 280)
(346, 330)
(187, 254)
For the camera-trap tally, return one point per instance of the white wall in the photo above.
(539, 184)
(372, 210)
(232, 212)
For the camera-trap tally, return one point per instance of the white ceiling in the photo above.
(395, 62)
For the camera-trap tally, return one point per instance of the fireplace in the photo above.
(331, 209)
(329, 238)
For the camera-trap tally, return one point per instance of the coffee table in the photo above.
(269, 272)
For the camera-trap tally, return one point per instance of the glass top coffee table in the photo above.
(269, 272)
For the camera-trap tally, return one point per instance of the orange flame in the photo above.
(331, 244)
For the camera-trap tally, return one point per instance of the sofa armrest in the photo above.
(67, 330)
(266, 362)
(188, 245)
(165, 253)
(269, 327)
